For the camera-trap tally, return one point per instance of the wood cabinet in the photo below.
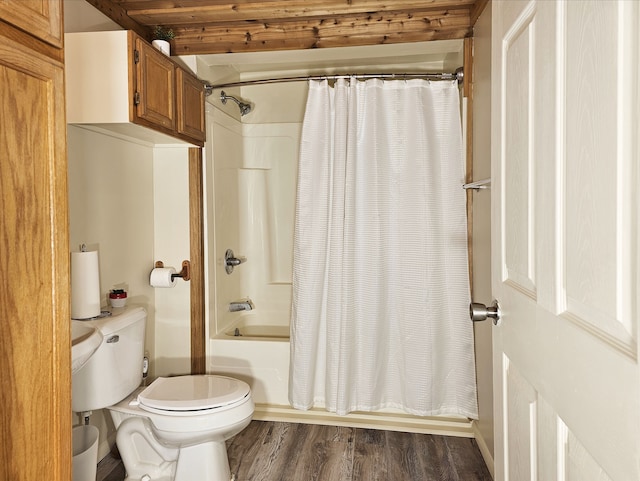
(154, 87)
(118, 81)
(40, 18)
(190, 93)
(35, 352)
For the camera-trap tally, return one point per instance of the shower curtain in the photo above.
(380, 276)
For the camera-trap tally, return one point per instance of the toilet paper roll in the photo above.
(85, 285)
(162, 277)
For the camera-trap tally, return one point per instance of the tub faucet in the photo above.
(243, 305)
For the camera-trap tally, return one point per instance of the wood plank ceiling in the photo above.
(221, 26)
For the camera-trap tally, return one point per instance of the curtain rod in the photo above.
(457, 75)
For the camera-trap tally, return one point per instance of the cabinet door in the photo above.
(41, 18)
(190, 103)
(35, 352)
(155, 86)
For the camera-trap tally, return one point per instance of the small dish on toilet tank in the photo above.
(118, 298)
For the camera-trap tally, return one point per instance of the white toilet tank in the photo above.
(115, 369)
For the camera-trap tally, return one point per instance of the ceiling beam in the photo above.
(347, 30)
(218, 26)
(183, 12)
(477, 10)
(119, 15)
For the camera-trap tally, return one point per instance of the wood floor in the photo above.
(274, 451)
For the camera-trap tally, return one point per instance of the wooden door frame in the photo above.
(467, 93)
(196, 240)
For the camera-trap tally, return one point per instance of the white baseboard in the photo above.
(484, 449)
(104, 448)
(444, 426)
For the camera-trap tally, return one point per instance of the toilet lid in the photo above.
(191, 393)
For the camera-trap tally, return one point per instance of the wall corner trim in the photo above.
(484, 448)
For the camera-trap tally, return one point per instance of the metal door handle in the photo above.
(480, 312)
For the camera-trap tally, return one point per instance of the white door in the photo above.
(565, 109)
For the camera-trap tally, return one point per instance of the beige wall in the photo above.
(111, 211)
(276, 103)
(482, 220)
(110, 199)
(172, 342)
(129, 200)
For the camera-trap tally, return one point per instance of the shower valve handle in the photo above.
(230, 261)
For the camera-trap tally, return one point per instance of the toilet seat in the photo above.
(192, 395)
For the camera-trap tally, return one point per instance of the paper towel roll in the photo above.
(162, 277)
(85, 285)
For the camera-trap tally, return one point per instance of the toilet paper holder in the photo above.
(185, 273)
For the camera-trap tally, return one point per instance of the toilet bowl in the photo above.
(175, 429)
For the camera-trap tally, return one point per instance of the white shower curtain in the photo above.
(380, 283)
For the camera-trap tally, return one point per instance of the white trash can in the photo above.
(85, 453)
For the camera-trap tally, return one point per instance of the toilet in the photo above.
(172, 430)
(176, 428)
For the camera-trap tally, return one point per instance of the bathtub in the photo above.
(253, 327)
(259, 355)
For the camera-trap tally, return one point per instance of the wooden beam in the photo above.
(477, 10)
(196, 236)
(467, 92)
(181, 12)
(219, 26)
(369, 23)
(119, 15)
(366, 29)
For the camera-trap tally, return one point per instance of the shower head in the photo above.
(244, 107)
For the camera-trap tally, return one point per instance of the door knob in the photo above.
(480, 312)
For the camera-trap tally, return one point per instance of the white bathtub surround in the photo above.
(381, 286)
(254, 172)
(263, 363)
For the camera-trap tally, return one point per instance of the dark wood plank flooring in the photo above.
(275, 451)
